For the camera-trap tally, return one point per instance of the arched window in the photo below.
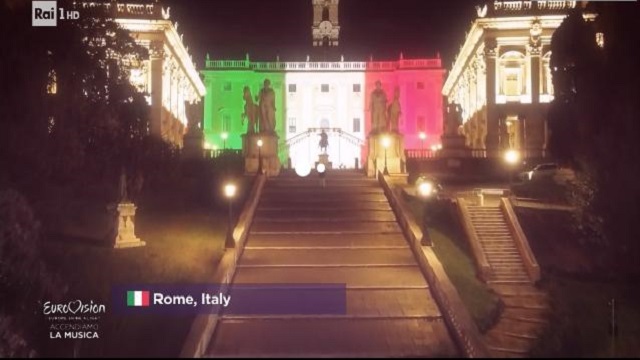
(512, 75)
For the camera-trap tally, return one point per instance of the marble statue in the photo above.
(378, 108)
(453, 119)
(267, 105)
(394, 112)
(251, 112)
(123, 186)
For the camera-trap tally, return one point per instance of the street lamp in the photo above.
(386, 142)
(422, 137)
(426, 190)
(224, 136)
(260, 142)
(511, 157)
(230, 193)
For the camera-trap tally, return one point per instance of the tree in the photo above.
(594, 122)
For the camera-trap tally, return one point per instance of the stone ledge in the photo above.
(457, 317)
(204, 325)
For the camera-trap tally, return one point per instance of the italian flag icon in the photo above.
(137, 298)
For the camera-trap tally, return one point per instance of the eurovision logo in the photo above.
(138, 298)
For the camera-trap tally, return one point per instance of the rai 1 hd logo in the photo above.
(47, 13)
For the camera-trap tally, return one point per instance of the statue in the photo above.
(267, 105)
(123, 186)
(378, 108)
(251, 111)
(324, 141)
(453, 119)
(394, 112)
(194, 113)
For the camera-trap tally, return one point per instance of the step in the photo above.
(356, 256)
(326, 240)
(518, 327)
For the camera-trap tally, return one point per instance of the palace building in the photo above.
(331, 96)
(169, 75)
(501, 77)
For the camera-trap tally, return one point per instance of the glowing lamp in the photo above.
(230, 190)
(511, 156)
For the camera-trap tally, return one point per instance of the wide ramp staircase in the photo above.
(505, 261)
(344, 233)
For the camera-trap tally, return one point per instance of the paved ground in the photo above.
(344, 233)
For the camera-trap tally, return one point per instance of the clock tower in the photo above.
(325, 29)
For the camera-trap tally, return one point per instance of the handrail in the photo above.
(342, 134)
(484, 268)
(527, 256)
(204, 325)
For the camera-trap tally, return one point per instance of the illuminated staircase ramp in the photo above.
(345, 233)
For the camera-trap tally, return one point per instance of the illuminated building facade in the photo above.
(330, 95)
(168, 76)
(501, 76)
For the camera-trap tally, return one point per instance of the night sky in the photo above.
(227, 29)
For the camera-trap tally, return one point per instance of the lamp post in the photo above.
(426, 190)
(422, 137)
(511, 157)
(230, 193)
(224, 137)
(386, 142)
(260, 142)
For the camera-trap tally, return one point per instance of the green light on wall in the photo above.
(224, 105)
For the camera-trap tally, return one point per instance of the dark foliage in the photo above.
(594, 122)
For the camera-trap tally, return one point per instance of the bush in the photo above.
(24, 280)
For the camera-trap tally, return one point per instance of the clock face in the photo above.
(325, 27)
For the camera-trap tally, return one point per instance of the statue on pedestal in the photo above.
(251, 112)
(394, 112)
(267, 105)
(453, 119)
(378, 108)
(324, 141)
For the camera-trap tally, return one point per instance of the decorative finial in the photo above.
(166, 13)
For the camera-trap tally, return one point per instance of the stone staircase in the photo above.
(525, 312)
(498, 245)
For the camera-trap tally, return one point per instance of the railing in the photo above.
(127, 10)
(432, 154)
(324, 65)
(528, 5)
(343, 135)
(420, 153)
(522, 244)
(216, 153)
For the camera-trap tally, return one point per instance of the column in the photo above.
(493, 123)
(534, 54)
(156, 64)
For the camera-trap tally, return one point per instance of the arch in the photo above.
(325, 13)
(512, 74)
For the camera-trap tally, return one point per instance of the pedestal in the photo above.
(454, 146)
(125, 236)
(193, 144)
(396, 159)
(268, 153)
(324, 159)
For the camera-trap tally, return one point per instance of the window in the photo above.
(324, 87)
(226, 123)
(512, 75)
(325, 13)
(420, 85)
(356, 88)
(292, 124)
(292, 88)
(356, 125)
(420, 124)
(226, 86)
